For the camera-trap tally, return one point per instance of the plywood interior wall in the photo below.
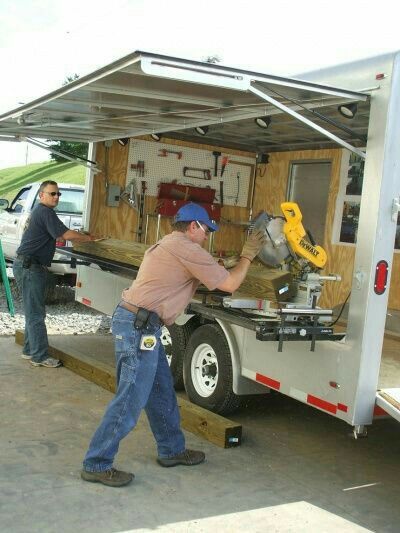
(122, 222)
(270, 190)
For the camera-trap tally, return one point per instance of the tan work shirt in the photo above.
(169, 275)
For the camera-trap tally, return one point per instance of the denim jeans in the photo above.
(144, 381)
(32, 285)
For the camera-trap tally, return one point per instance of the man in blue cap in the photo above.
(168, 278)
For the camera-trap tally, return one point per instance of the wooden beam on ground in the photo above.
(261, 282)
(203, 423)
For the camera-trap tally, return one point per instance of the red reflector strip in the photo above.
(265, 380)
(322, 404)
(86, 301)
(342, 407)
(378, 411)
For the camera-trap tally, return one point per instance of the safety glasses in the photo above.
(206, 231)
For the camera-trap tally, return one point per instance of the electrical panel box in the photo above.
(113, 195)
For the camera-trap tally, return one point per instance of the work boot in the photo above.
(187, 458)
(111, 477)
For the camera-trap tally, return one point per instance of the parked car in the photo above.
(14, 217)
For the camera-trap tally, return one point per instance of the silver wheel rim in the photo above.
(204, 370)
(166, 341)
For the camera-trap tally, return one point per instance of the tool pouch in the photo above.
(26, 262)
(142, 316)
(146, 320)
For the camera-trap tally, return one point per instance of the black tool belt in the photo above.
(145, 320)
(27, 261)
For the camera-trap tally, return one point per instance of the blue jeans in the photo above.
(144, 381)
(32, 285)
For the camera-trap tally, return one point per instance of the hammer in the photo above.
(216, 155)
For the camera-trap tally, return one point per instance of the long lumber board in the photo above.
(203, 423)
(261, 282)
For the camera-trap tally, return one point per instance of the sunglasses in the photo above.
(206, 231)
(53, 193)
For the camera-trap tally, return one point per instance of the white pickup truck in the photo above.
(14, 215)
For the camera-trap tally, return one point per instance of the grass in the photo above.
(14, 178)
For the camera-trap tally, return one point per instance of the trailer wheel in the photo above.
(174, 339)
(207, 369)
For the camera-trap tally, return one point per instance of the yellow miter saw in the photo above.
(291, 248)
(286, 239)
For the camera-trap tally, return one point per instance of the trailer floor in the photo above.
(297, 469)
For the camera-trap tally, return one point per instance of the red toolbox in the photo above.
(169, 207)
(172, 196)
(176, 191)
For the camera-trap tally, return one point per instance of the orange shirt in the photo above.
(169, 275)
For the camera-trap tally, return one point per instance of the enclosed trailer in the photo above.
(151, 106)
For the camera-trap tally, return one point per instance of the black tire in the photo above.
(57, 291)
(208, 351)
(174, 339)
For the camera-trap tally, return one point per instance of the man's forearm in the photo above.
(236, 276)
(72, 235)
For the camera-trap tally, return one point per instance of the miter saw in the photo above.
(290, 248)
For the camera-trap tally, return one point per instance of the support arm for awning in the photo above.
(255, 90)
(92, 165)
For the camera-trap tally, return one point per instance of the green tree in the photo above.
(68, 147)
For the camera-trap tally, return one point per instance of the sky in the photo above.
(44, 41)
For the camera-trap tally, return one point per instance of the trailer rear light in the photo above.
(381, 275)
(60, 242)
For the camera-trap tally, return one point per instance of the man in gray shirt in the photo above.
(34, 255)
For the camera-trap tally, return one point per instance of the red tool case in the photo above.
(172, 196)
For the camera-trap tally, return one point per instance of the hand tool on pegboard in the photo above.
(225, 161)
(141, 211)
(206, 174)
(221, 193)
(139, 167)
(216, 155)
(163, 152)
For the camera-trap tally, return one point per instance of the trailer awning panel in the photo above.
(145, 93)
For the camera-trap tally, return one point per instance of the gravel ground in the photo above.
(66, 317)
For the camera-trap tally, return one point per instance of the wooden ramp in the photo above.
(389, 401)
(92, 357)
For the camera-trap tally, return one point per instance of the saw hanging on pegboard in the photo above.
(157, 163)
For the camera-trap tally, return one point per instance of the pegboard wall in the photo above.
(156, 162)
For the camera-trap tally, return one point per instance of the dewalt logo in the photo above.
(309, 247)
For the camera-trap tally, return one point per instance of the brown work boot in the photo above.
(110, 477)
(187, 458)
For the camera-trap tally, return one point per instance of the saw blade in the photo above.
(275, 250)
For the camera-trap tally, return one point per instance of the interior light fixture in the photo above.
(124, 141)
(155, 136)
(348, 110)
(263, 122)
(201, 130)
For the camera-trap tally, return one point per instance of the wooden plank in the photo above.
(260, 282)
(390, 399)
(203, 423)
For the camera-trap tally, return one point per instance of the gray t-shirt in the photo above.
(39, 238)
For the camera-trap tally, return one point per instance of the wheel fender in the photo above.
(182, 319)
(240, 385)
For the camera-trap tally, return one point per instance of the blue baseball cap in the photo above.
(192, 211)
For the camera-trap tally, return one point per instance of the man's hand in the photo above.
(255, 241)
